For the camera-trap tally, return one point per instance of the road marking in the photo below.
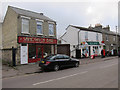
(108, 65)
(60, 78)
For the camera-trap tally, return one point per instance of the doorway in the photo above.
(35, 53)
(78, 53)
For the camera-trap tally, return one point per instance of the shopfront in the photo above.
(89, 48)
(33, 49)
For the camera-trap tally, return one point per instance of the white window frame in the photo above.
(97, 37)
(114, 38)
(86, 36)
(53, 29)
(22, 31)
(39, 22)
(106, 36)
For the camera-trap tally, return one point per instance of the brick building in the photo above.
(0, 41)
(110, 39)
(32, 34)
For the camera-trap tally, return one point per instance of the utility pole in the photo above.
(116, 40)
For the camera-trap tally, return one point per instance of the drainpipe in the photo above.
(78, 39)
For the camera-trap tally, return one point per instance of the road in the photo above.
(94, 75)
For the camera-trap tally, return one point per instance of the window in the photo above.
(86, 35)
(106, 37)
(32, 51)
(66, 57)
(114, 38)
(25, 26)
(59, 57)
(96, 36)
(39, 27)
(51, 29)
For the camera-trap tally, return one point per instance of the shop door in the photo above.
(35, 53)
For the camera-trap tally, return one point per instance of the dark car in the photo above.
(58, 61)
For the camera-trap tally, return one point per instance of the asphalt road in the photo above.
(94, 75)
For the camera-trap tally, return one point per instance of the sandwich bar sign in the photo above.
(36, 40)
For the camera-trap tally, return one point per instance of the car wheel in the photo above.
(56, 67)
(77, 64)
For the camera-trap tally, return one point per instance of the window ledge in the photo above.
(51, 35)
(25, 33)
(39, 34)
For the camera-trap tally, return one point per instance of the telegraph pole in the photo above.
(116, 40)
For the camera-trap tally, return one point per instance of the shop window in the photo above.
(32, 51)
(47, 50)
(25, 26)
(51, 29)
(39, 27)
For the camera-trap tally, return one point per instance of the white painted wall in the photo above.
(71, 37)
(91, 36)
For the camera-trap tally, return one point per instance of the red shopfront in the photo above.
(37, 47)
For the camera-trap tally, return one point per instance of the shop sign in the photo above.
(93, 43)
(36, 40)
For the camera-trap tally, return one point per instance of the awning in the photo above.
(93, 43)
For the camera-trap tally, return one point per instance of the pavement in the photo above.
(34, 68)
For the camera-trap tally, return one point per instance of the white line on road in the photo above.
(109, 65)
(60, 78)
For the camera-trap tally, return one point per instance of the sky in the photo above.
(82, 13)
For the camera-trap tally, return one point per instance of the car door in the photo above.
(60, 60)
(67, 60)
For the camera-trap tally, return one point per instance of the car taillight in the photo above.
(47, 63)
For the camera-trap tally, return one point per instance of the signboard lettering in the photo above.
(36, 40)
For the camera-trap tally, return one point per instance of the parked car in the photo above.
(58, 61)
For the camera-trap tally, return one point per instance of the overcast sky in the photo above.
(82, 13)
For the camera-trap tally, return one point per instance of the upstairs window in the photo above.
(25, 26)
(86, 36)
(106, 37)
(39, 27)
(96, 36)
(114, 38)
(51, 29)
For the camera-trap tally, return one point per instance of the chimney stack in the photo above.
(41, 13)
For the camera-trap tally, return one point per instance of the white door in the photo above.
(24, 54)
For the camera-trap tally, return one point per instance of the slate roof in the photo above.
(30, 13)
(94, 30)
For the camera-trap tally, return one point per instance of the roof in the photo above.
(30, 13)
(94, 30)
(86, 29)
